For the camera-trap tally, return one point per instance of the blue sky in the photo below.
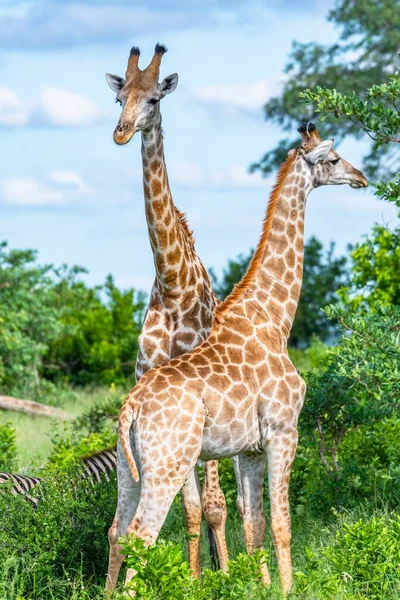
(69, 191)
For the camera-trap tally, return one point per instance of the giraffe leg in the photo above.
(214, 508)
(155, 502)
(192, 509)
(250, 469)
(128, 499)
(281, 452)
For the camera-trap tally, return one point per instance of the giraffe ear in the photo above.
(116, 83)
(319, 153)
(168, 85)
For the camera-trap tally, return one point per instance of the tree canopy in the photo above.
(365, 54)
(55, 328)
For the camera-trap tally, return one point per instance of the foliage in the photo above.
(8, 448)
(311, 357)
(378, 115)
(361, 561)
(54, 328)
(63, 536)
(375, 269)
(92, 432)
(323, 276)
(98, 343)
(364, 56)
(231, 275)
(162, 573)
(29, 319)
(359, 384)
(376, 261)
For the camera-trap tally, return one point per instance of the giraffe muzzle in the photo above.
(360, 183)
(123, 133)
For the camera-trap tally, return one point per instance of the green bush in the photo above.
(360, 561)
(65, 536)
(162, 573)
(8, 448)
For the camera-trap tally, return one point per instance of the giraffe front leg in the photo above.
(191, 501)
(249, 471)
(281, 453)
(214, 508)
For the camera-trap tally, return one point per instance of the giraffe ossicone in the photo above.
(238, 393)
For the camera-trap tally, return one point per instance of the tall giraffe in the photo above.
(179, 315)
(237, 393)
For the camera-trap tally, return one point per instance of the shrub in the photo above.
(65, 536)
(161, 573)
(361, 561)
(8, 448)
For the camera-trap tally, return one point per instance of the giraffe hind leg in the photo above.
(249, 470)
(214, 508)
(128, 500)
(191, 502)
(155, 501)
(281, 453)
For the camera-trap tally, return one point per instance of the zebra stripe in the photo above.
(96, 466)
(22, 484)
(100, 464)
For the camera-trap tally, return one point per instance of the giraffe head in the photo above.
(323, 164)
(139, 94)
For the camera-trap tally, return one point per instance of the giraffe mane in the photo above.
(248, 278)
(183, 221)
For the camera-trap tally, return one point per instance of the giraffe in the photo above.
(237, 393)
(179, 315)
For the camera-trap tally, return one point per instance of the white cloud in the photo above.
(70, 180)
(56, 107)
(60, 188)
(13, 112)
(247, 96)
(66, 108)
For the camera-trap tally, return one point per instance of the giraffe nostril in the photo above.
(123, 127)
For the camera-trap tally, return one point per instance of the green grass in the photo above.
(34, 434)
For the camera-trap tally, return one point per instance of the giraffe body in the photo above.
(179, 315)
(238, 392)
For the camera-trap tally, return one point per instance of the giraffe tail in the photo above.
(126, 417)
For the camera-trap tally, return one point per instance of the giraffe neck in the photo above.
(170, 238)
(277, 283)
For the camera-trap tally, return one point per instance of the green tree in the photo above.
(323, 275)
(359, 384)
(376, 261)
(231, 275)
(29, 319)
(99, 340)
(365, 54)
(54, 328)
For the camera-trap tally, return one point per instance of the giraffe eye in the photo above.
(334, 161)
(117, 100)
(153, 101)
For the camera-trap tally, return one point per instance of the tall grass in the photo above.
(34, 434)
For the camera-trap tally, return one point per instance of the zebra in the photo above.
(22, 484)
(95, 466)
